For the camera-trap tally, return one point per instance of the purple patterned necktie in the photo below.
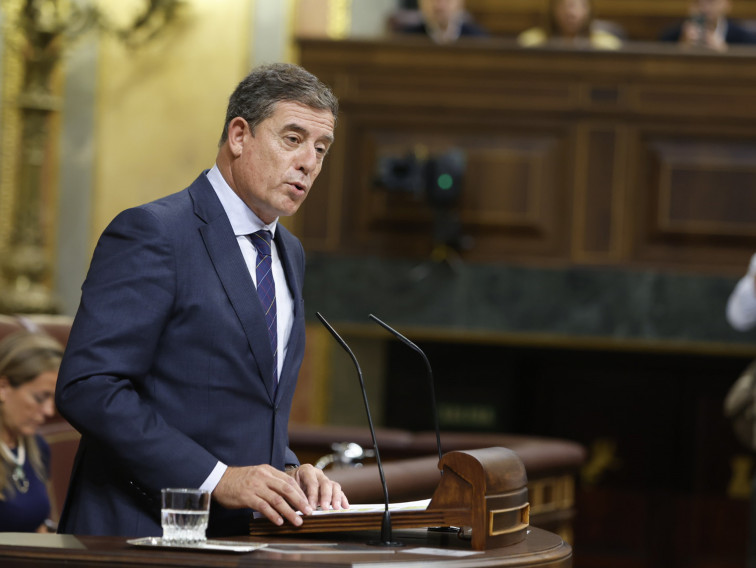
(266, 290)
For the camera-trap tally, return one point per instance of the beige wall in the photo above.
(160, 109)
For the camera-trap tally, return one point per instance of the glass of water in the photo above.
(184, 515)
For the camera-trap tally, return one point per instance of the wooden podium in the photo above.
(540, 549)
(484, 490)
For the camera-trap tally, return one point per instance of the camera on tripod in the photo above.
(436, 179)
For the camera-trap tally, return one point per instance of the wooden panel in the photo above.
(698, 199)
(410, 84)
(640, 157)
(515, 170)
(321, 227)
(705, 192)
(510, 193)
(599, 193)
(697, 100)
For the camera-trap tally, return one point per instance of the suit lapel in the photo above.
(228, 261)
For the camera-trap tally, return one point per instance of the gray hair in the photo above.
(254, 99)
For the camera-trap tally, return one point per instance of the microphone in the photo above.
(408, 343)
(386, 522)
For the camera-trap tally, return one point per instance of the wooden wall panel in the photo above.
(599, 192)
(697, 199)
(321, 226)
(641, 157)
(516, 171)
(703, 191)
(707, 98)
(510, 197)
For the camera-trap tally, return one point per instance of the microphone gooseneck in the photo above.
(386, 522)
(410, 344)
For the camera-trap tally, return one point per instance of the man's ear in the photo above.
(237, 130)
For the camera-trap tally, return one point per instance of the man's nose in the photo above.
(308, 159)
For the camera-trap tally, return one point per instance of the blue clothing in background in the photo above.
(26, 512)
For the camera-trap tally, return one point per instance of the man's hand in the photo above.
(264, 489)
(278, 495)
(321, 491)
(692, 33)
(696, 34)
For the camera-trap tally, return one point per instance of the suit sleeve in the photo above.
(105, 386)
(671, 34)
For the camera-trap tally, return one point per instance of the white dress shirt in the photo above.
(741, 305)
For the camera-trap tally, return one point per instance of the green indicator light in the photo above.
(444, 181)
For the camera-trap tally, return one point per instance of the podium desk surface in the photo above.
(540, 548)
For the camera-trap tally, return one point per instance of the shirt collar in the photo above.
(242, 218)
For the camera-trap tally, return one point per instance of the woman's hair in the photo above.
(24, 356)
(254, 99)
(552, 25)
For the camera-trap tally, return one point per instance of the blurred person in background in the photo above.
(741, 315)
(709, 26)
(741, 305)
(570, 23)
(444, 21)
(29, 364)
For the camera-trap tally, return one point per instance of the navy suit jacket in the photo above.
(168, 367)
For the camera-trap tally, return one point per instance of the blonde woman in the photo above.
(29, 364)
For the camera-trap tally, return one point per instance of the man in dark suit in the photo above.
(709, 26)
(444, 21)
(174, 373)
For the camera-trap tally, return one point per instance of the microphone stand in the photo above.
(386, 539)
(410, 344)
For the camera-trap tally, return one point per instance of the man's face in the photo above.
(712, 10)
(441, 12)
(276, 165)
(571, 16)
